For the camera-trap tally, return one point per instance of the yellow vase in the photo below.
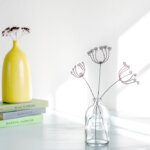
(16, 86)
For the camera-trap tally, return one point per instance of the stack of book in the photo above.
(22, 113)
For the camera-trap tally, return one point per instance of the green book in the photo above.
(21, 121)
(35, 103)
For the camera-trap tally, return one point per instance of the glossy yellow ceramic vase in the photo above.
(16, 86)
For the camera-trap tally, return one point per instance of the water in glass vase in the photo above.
(97, 124)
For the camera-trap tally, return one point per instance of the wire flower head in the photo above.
(15, 32)
(78, 70)
(126, 76)
(25, 30)
(99, 55)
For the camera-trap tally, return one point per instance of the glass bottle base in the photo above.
(97, 142)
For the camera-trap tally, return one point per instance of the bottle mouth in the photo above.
(15, 41)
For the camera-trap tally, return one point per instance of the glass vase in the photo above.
(97, 124)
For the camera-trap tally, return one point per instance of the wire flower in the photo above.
(100, 54)
(78, 70)
(15, 32)
(126, 76)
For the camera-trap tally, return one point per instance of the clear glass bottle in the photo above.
(97, 124)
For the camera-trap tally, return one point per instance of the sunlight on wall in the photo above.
(134, 48)
(72, 98)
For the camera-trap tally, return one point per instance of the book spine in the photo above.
(23, 106)
(21, 121)
(22, 113)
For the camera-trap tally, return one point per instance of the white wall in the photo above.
(62, 32)
(29, 13)
(110, 19)
(134, 47)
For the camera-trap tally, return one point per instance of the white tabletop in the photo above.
(60, 134)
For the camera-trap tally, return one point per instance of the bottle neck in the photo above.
(15, 45)
(97, 101)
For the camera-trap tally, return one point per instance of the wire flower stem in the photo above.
(99, 80)
(15, 35)
(109, 88)
(11, 37)
(89, 87)
(103, 121)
